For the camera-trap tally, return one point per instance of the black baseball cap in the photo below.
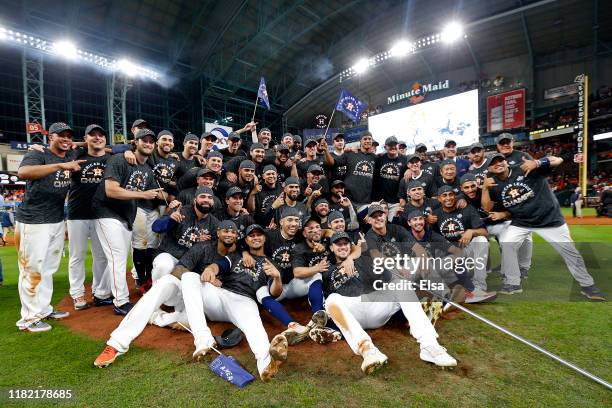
(247, 164)
(269, 167)
(467, 177)
(315, 167)
(402, 143)
(413, 184)
(374, 208)
(91, 128)
(337, 236)
(447, 161)
(414, 213)
(413, 157)
(339, 135)
(503, 136)
(254, 227)
(364, 134)
(419, 147)
(496, 156)
(189, 137)
(204, 190)
(232, 191)
(320, 201)
(165, 133)
(292, 181)
(59, 127)
(214, 153)
(309, 141)
(227, 224)
(449, 141)
(297, 138)
(264, 130)
(139, 122)
(334, 215)
(337, 183)
(476, 145)
(257, 146)
(142, 133)
(205, 171)
(391, 141)
(290, 212)
(206, 135)
(233, 136)
(445, 189)
(282, 147)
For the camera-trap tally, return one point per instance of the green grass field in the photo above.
(494, 370)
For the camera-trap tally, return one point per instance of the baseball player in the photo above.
(416, 173)
(352, 313)
(183, 228)
(428, 167)
(478, 163)
(287, 199)
(418, 201)
(167, 290)
(187, 159)
(525, 193)
(81, 222)
(388, 173)
(115, 206)
(504, 143)
(234, 210)
(245, 180)
(228, 291)
(39, 231)
(260, 203)
(233, 147)
(204, 178)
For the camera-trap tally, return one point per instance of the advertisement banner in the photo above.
(35, 128)
(506, 110)
(560, 91)
(221, 132)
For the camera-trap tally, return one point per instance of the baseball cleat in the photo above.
(437, 355)
(80, 303)
(107, 357)
(124, 309)
(324, 335)
(57, 315)
(37, 327)
(278, 352)
(479, 296)
(319, 319)
(373, 359)
(592, 293)
(103, 302)
(510, 289)
(296, 333)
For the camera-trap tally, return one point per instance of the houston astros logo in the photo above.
(363, 168)
(97, 172)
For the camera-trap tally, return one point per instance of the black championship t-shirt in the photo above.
(184, 165)
(529, 199)
(281, 251)
(304, 256)
(433, 243)
(454, 184)
(84, 185)
(264, 200)
(387, 175)
(337, 172)
(480, 172)
(237, 278)
(359, 175)
(133, 178)
(227, 156)
(396, 241)
(334, 281)
(43, 202)
(430, 168)
(187, 232)
(242, 221)
(427, 181)
(164, 170)
(451, 225)
(428, 207)
(199, 256)
(516, 158)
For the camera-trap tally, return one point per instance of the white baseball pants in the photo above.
(143, 236)
(40, 252)
(478, 248)
(352, 316)
(558, 237)
(115, 239)
(297, 288)
(525, 250)
(79, 231)
(204, 300)
(166, 291)
(163, 264)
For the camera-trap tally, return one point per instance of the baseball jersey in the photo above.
(452, 224)
(281, 251)
(164, 171)
(84, 185)
(43, 201)
(529, 199)
(182, 235)
(138, 177)
(199, 256)
(516, 158)
(304, 256)
(397, 240)
(237, 278)
(359, 175)
(334, 281)
(387, 175)
(264, 200)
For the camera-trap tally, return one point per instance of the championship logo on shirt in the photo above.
(390, 171)
(364, 168)
(266, 204)
(389, 248)
(252, 272)
(191, 235)
(137, 181)
(164, 171)
(62, 179)
(452, 228)
(516, 193)
(93, 173)
(318, 258)
(282, 256)
(338, 278)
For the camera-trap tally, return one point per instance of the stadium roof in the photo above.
(297, 45)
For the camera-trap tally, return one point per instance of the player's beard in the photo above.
(227, 244)
(203, 209)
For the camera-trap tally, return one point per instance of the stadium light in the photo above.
(127, 67)
(452, 32)
(65, 49)
(361, 66)
(402, 48)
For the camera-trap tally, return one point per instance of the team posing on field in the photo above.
(215, 234)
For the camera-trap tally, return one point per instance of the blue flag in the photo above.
(262, 94)
(350, 106)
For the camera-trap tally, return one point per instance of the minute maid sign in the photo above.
(417, 92)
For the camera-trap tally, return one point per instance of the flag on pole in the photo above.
(262, 94)
(350, 106)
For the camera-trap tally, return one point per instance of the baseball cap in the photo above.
(287, 134)
(338, 236)
(339, 135)
(476, 145)
(227, 224)
(206, 135)
(233, 190)
(309, 141)
(247, 164)
(205, 171)
(503, 136)
(91, 128)
(320, 201)
(189, 137)
(390, 141)
(364, 134)
(204, 190)
(214, 153)
(413, 157)
(467, 177)
(257, 146)
(254, 227)
(420, 147)
(375, 143)
(264, 130)
(282, 147)
(334, 215)
(374, 208)
(413, 184)
(142, 133)
(314, 167)
(165, 133)
(402, 143)
(269, 167)
(59, 127)
(415, 213)
(449, 141)
(337, 183)
(290, 212)
(496, 156)
(233, 136)
(292, 181)
(139, 122)
(297, 138)
(445, 189)
(447, 161)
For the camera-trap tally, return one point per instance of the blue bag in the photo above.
(229, 369)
